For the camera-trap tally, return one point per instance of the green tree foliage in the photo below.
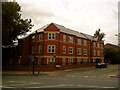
(99, 35)
(112, 56)
(12, 23)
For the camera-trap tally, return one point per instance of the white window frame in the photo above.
(70, 61)
(70, 39)
(40, 36)
(33, 38)
(51, 36)
(64, 49)
(50, 60)
(98, 45)
(70, 50)
(98, 53)
(85, 42)
(79, 51)
(79, 41)
(94, 44)
(64, 61)
(85, 51)
(40, 49)
(79, 60)
(94, 52)
(64, 38)
(33, 49)
(51, 48)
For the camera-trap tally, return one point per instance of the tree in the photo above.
(112, 56)
(12, 23)
(99, 35)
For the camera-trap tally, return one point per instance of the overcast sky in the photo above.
(81, 15)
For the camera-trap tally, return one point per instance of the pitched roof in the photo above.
(68, 31)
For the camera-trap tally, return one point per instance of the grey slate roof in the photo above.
(68, 31)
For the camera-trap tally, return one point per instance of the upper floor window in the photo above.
(102, 53)
(64, 49)
(98, 45)
(33, 49)
(85, 51)
(64, 38)
(40, 49)
(33, 38)
(70, 39)
(51, 36)
(85, 42)
(101, 45)
(94, 44)
(98, 53)
(79, 51)
(40, 37)
(51, 49)
(79, 41)
(94, 52)
(70, 50)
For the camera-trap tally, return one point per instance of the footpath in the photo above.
(111, 71)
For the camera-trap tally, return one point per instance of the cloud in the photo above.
(81, 15)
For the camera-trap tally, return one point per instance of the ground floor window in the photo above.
(79, 61)
(70, 61)
(50, 60)
(64, 61)
(85, 60)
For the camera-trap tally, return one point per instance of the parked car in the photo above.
(101, 65)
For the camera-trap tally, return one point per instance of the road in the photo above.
(72, 78)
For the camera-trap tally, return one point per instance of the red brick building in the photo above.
(58, 45)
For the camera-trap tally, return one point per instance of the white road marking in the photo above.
(94, 86)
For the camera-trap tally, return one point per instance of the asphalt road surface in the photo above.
(75, 78)
(58, 82)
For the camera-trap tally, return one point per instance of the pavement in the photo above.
(111, 71)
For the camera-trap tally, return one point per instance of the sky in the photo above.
(85, 16)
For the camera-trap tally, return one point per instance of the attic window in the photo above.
(51, 36)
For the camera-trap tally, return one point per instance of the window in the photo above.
(51, 48)
(51, 36)
(40, 37)
(79, 51)
(85, 60)
(94, 52)
(40, 49)
(85, 42)
(94, 44)
(70, 39)
(79, 41)
(64, 38)
(85, 51)
(70, 61)
(33, 49)
(98, 53)
(64, 49)
(50, 60)
(64, 61)
(98, 45)
(101, 45)
(79, 60)
(70, 50)
(33, 38)
(101, 53)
